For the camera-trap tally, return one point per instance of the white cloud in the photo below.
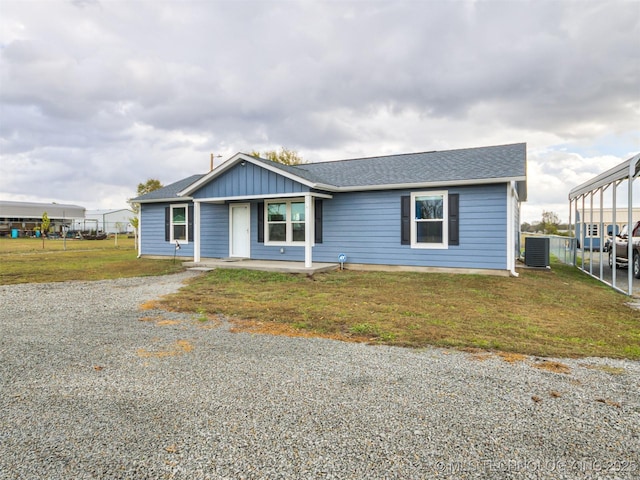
(98, 96)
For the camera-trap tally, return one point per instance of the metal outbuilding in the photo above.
(108, 221)
(586, 203)
(21, 218)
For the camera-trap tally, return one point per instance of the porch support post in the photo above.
(138, 231)
(308, 229)
(632, 168)
(614, 235)
(572, 232)
(196, 231)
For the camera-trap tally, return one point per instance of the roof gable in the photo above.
(241, 158)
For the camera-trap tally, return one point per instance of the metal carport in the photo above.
(581, 201)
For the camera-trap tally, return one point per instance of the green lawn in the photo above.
(23, 260)
(561, 312)
(558, 313)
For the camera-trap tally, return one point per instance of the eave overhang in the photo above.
(438, 184)
(163, 200)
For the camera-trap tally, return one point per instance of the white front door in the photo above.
(239, 226)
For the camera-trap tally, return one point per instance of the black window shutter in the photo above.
(405, 220)
(167, 224)
(190, 224)
(454, 219)
(260, 222)
(318, 221)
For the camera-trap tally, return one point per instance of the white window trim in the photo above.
(445, 220)
(289, 222)
(186, 224)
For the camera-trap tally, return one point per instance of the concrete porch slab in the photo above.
(264, 265)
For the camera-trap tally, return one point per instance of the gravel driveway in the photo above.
(91, 386)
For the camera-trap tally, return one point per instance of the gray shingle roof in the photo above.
(504, 161)
(168, 192)
(480, 164)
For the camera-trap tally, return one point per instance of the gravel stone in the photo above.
(94, 387)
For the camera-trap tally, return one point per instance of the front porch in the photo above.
(264, 265)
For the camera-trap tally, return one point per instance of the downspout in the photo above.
(196, 230)
(511, 257)
(139, 231)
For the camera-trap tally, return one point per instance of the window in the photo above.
(297, 222)
(277, 222)
(179, 223)
(429, 227)
(285, 221)
(592, 230)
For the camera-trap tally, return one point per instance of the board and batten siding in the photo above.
(365, 226)
(247, 180)
(152, 231)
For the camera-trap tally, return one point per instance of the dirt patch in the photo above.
(552, 366)
(180, 347)
(152, 305)
(608, 402)
(511, 357)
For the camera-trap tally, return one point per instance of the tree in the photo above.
(149, 186)
(284, 156)
(550, 222)
(44, 226)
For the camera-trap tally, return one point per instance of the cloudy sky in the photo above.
(97, 96)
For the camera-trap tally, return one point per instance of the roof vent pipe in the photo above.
(212, 157)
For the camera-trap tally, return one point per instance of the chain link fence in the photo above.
(560, 247)
(593, 262)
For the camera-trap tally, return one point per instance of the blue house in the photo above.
(456, 210)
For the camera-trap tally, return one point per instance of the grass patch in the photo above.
(607, 368)
(25, 261)
(559, 313)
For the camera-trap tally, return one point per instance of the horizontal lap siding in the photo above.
(366, 227)
(248, 180)
(152, 231)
